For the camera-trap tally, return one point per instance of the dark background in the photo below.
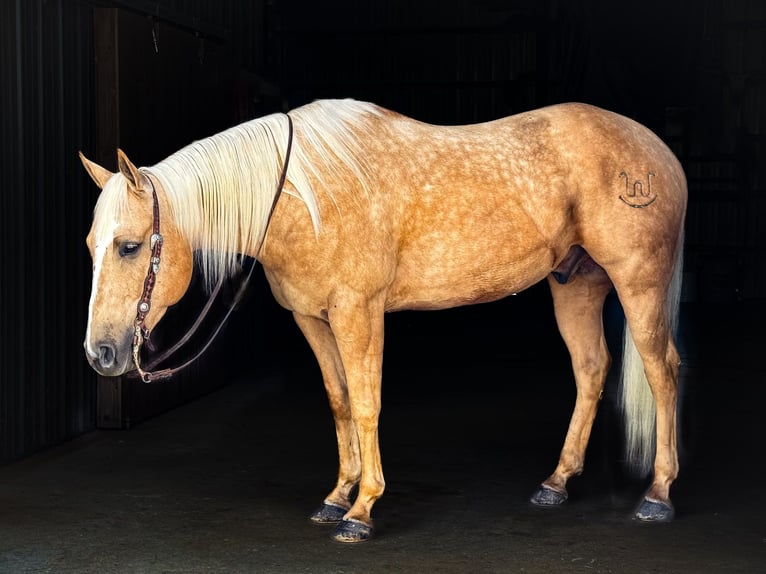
(150, 77)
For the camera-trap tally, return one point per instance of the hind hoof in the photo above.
(350, 531)
(654, 511)
(328, 514)
(546, 496)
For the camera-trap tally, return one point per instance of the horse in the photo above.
(354, 211)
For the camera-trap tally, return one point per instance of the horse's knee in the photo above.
(593, 365)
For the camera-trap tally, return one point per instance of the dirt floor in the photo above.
(472, 422)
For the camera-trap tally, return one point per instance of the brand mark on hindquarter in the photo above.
(638, 193)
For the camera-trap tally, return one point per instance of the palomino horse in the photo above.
(379, 212)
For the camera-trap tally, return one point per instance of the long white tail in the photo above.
(637, 400)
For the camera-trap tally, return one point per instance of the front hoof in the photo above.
(328, 513)
(350, 530)
(546, 496)
(654, 511)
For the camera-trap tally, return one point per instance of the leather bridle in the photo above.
(141, 333)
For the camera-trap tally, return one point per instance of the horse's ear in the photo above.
(97, 173)
(130, 172)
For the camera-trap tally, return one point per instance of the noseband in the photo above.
(141, 332)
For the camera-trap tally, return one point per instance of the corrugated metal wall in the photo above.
(239, 22)
(726, 156)
(46, 391)
(458, 62)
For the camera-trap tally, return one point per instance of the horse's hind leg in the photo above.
(322, 342)
(647, 318)
(579, 307)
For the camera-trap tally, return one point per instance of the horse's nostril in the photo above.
(107, 355)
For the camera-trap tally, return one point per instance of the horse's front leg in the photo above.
(357, 324)
(322, 342)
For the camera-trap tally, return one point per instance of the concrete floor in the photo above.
(225, 484)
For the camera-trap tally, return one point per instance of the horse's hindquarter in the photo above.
(466, 214)
(629, 193)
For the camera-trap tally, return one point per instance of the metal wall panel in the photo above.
(727, 182)
(457, 62)
(240, 23)
(46, 390)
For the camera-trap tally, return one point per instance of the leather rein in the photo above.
(141, 332)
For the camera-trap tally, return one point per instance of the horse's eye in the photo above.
(129, 248)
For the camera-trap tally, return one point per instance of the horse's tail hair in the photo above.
(638, 405)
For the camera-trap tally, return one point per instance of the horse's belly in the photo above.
(454, 281)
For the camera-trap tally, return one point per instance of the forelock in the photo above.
(111, 206)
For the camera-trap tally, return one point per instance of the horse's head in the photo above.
(119, 243)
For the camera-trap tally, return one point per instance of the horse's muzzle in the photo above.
(108, 358)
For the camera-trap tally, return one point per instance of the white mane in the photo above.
(221, 188)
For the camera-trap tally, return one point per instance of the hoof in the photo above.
(350, 530)
(654, 511)
(546, 496)
(328, 514)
